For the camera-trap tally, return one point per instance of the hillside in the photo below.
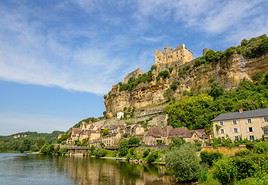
(27, 141)
(167, 80)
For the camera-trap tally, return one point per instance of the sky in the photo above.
(59, 57)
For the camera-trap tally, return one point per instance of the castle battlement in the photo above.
(180, 55)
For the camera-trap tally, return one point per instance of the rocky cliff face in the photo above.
(189, 77)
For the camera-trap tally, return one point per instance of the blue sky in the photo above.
(58, 58)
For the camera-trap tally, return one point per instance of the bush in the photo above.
(47, 149)
(146, 153)
(123, 148)
(261, 147)
(176, 142)
(225, 171)
(133, 141)
(210, 157)
(152, 157)
(245, 168)
(163, 74)
(99, 152)
(183, 162)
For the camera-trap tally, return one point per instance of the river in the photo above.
(23, 169)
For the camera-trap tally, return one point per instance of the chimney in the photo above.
(241, 110)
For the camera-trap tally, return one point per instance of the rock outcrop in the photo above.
(183, 76)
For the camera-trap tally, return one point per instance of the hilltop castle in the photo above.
(180, 55)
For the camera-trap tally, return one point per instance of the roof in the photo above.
(182, 132)
(168, 131)
(201, 133)
(240, 115)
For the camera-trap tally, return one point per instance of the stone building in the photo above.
(249, 125)
(168, 55)
(158, 135)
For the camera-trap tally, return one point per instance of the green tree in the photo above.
(225, 171)
(216, 90)
(183, 162)
(123, 148)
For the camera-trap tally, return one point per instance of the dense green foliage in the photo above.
(134, 82)
(123, 148)
(183, 162)
(225, 171)
(29, 141)
(252, 48)
(210, 157)
(163, 74)
(233, 169)
(99, 152)
(197, 111)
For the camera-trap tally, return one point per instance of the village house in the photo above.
(249, 125)
(158, 135)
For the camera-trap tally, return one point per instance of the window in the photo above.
(251, 138)
(235, 130)
(249, 120)
(266, 119)
(265, 131)
(221, 123)
(250, 129)
(237, 138)
(234, 121)
(222, 131)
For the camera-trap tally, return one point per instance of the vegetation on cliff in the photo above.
(197, 111)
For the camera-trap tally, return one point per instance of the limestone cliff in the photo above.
(182, 77)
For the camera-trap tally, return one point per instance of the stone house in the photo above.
(158, 135)
(75, 134)
(111, 140)
(249, 125)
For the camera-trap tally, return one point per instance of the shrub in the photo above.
(245, 168)
(164, 74)
(133, 141)
(123, 148)
(242, 153)
(176, 142)
(152, 157)
(99, 152)
(183, 162)
(210, 157)
(146, 153)
(225, 171)
(47, 149)
(174, 86)
(261, 147)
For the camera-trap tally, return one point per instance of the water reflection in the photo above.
(108, 172)
(39, 169)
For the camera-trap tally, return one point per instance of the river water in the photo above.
(22, 169)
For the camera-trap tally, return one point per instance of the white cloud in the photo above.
(213, 17)
(30, 55)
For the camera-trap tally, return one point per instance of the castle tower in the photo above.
(168, 55)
